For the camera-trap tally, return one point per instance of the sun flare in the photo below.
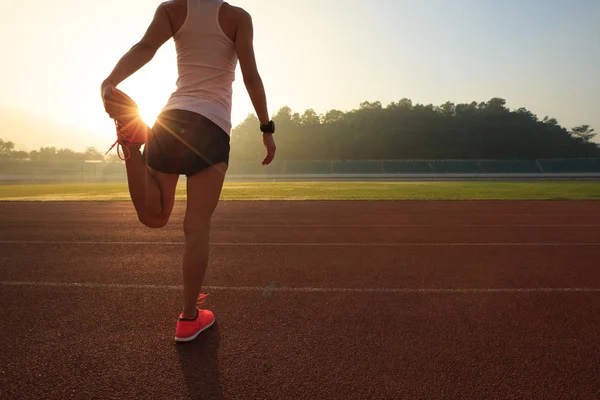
(148, 116)
(149, 105)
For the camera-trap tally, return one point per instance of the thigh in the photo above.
(203, 193)
(167, 185)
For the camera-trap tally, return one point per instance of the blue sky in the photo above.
(542, 55)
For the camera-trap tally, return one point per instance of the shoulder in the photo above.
(238, 13)
(172, 5)
(175, 10)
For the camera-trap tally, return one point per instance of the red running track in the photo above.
(314, 300)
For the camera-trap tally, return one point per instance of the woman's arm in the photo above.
(156, 35)
(245, 50)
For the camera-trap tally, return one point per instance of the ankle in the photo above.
(190, 314)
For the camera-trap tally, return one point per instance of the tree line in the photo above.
(401, 130)
(52, 154)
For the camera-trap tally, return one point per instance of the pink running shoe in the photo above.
(131, 130)
(189, 329)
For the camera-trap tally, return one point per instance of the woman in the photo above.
(191, 135)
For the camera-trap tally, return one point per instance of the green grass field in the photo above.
(327, 191)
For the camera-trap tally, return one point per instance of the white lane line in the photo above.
(333, 244)
(329, 226)
(299, 289)
(225, 214)
(405, 225)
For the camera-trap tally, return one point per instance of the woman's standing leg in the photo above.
(203, 192)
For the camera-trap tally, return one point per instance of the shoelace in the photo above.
(121, 141)
(201, 299)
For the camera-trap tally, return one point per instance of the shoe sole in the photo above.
(189, 339)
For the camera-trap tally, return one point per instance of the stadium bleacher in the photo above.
(255, 168)
(16, 169)
(308, 167)
(456, 167)
(509, 166)
(357, 167)
(406, 167)
(571, 165)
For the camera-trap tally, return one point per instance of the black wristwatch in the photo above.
(268, 128)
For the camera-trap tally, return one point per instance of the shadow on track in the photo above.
(199, 363)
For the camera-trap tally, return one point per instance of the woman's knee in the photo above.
(153, 222)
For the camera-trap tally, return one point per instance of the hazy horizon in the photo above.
(542, 55)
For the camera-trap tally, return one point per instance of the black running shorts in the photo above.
(185, 143)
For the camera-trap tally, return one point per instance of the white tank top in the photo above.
(206, 63)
